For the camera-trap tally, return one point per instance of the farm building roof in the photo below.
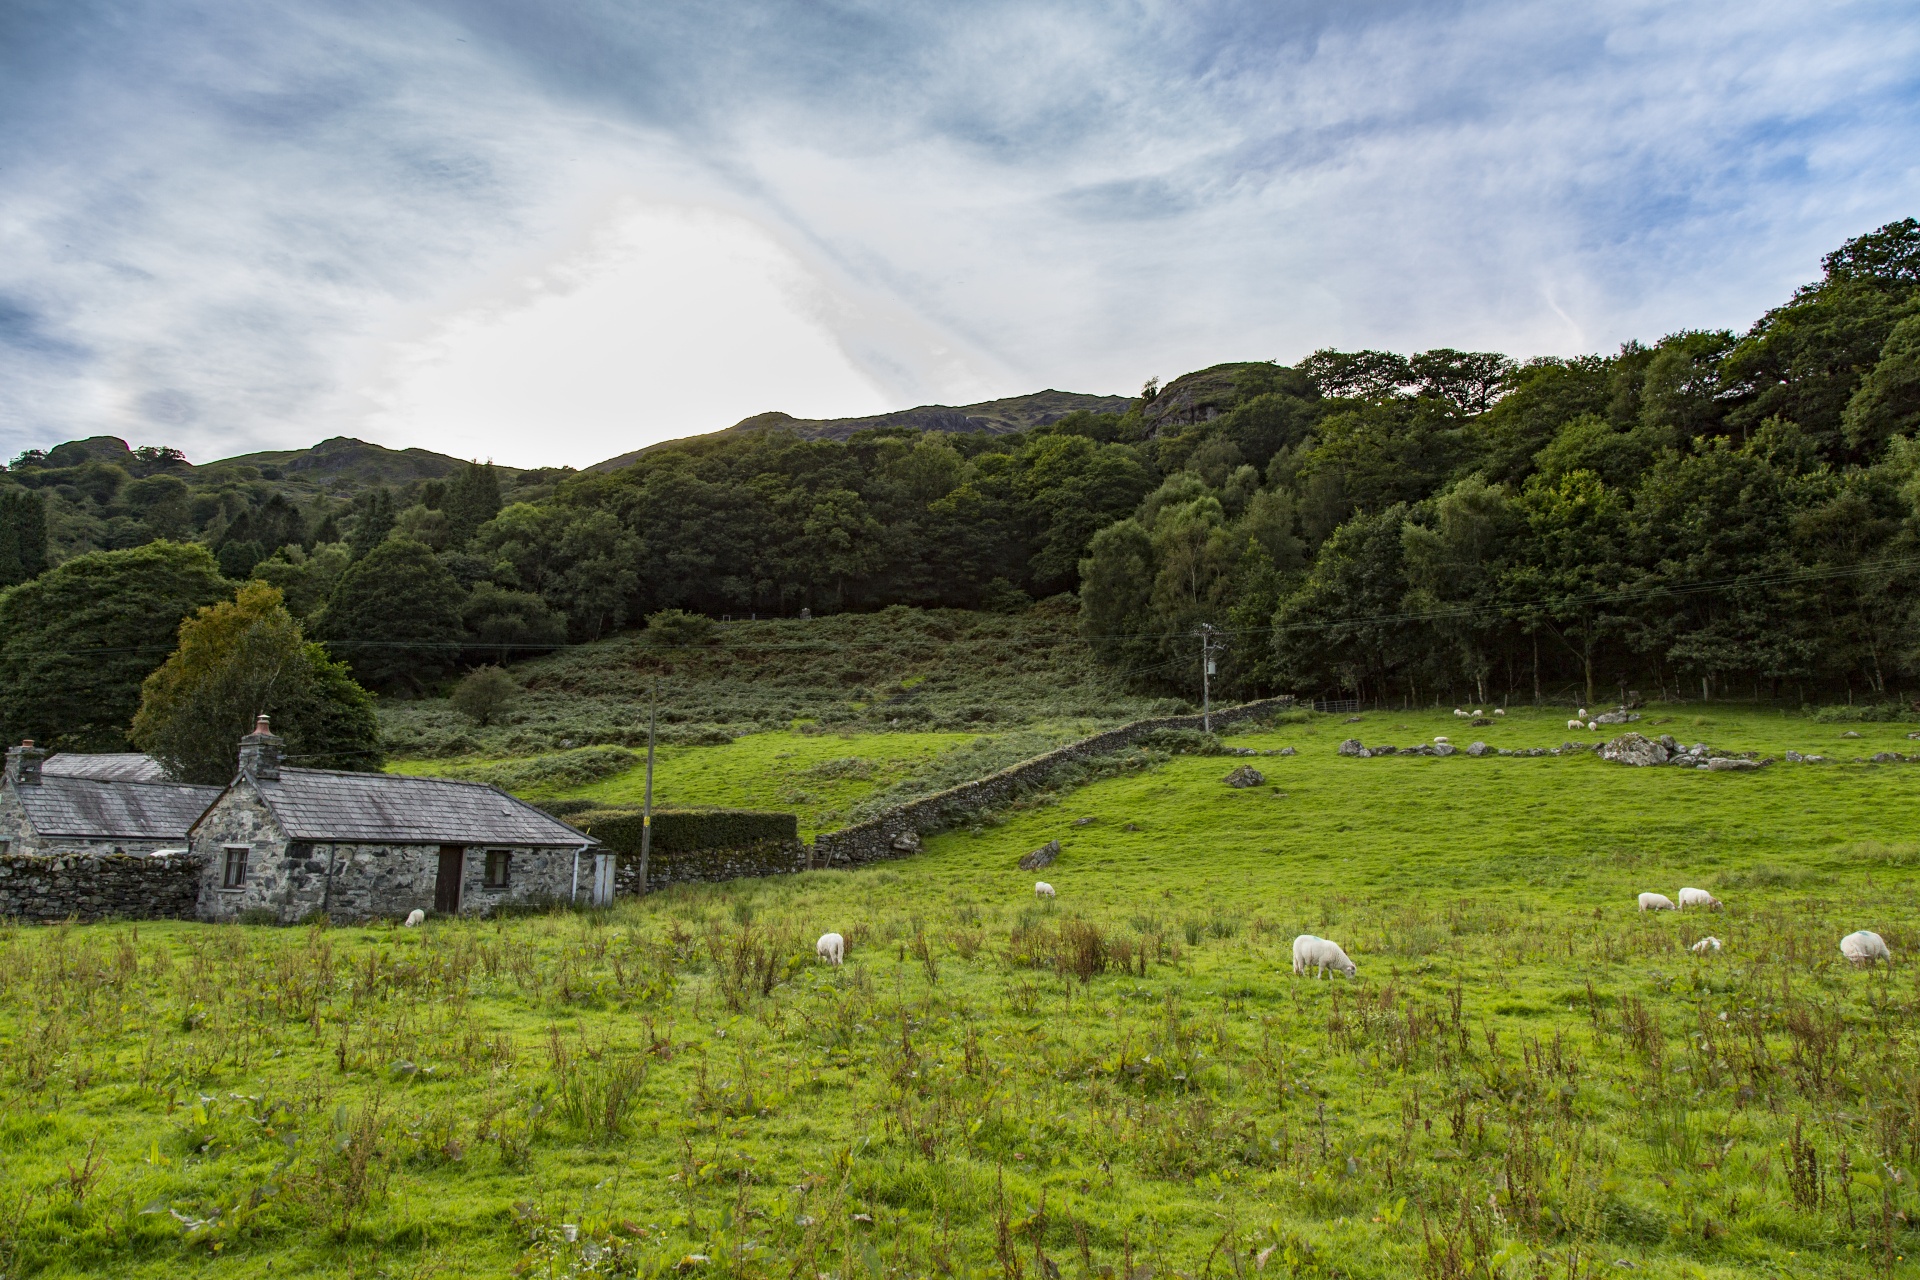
(387, 808)
(100, 809)
(114, 766)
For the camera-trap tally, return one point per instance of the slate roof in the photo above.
(118, 766)
(388, 808)
(98, 809)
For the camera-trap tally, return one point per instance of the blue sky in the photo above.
(550, 232)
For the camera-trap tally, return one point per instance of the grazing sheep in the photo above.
(1041, 889)
(1594, 725)
(1499, 711)
(1705, 945)
(1656, 902)
(1698, 898)
(832, 948)
(1582, 713)
(1319, 955)
(416, 917)
(1865, 947)
(1478, 712)
(1457, 711)
(1576, 724)
(1441, 738)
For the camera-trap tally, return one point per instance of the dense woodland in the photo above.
(1714, 514)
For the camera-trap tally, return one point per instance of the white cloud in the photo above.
(671, 320)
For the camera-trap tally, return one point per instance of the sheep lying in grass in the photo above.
(1698, 898)
(832, 948)
(1864, 947)
(1320, 955)
(1041, 889)
(415, 918)
(1704, 946)
(1656, 902)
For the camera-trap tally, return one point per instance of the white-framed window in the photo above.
(499, 868)
(233, 871)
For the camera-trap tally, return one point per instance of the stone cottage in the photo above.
(367, 845)
(93, 805)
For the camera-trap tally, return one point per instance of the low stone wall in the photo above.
(767, 858)
(98, 886)
(896, 833)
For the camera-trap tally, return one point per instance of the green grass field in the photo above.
(1527, 1078)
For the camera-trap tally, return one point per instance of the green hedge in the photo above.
(686, 830)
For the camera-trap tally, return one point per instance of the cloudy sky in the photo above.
(548, 231)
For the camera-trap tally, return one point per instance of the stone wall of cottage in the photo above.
(98, 887)
(896, 833)
(290, 878)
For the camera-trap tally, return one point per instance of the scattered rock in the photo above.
(1794, 757)
(1481, 722)
(1887, 757)
(1444, 749)
(1621, 716)
(1285, 751)
(1725, 764)
(1353, 720)
(907, 842)
(1851, 733)
(1385, 751)
(1041, 857)
(1131, 826)
(1478, 749)
(1351, 747)
(1246, 776)
(1083, 822)
(1634, 749)
(1667, 740)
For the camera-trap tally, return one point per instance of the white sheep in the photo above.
(1041, 889)
(1457, 711)
(1576, 724)
(1656, 902)
(1594, 725)
(1478, 712)
(1320, 955)
(1698, 898)
(832, 948)
(1499, 711)
(1865, 947)
(1582, 713)
(1441, 738)
(1704, 946)
(415, 918)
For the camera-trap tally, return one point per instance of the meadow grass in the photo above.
(1527, 1078)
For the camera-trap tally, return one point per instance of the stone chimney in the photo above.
(260, 753)
(23, 764)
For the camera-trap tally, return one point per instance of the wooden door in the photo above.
(446, 886)
(603, 866)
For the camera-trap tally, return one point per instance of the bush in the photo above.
(686, 830)
(676, 628)
(553, 772)
(484, 693)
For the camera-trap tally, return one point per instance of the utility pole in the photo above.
(646, 805)
(1208, 647)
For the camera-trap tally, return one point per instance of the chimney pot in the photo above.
(260, 752)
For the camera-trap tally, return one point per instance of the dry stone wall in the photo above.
(896, 833)
(767, 858)
(99, 886)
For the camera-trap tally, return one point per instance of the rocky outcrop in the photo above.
(1634, 749)
(1246, 776)
(1041, 857)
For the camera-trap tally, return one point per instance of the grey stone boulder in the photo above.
(1351, 747)
(1246, 776)
(1477, 749)
(1887, 757)
(907, 842)
(1668, 741)
(1443, 748)
(1851, 733)
(1634, 749)
(1285, 751)
(1041, 857)
(1724, 764)
(1622, 716)
(1794, 757)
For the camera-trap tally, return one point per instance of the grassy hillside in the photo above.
(908, 669)
(1527, 1078)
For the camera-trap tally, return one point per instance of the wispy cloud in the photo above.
(232, 226)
